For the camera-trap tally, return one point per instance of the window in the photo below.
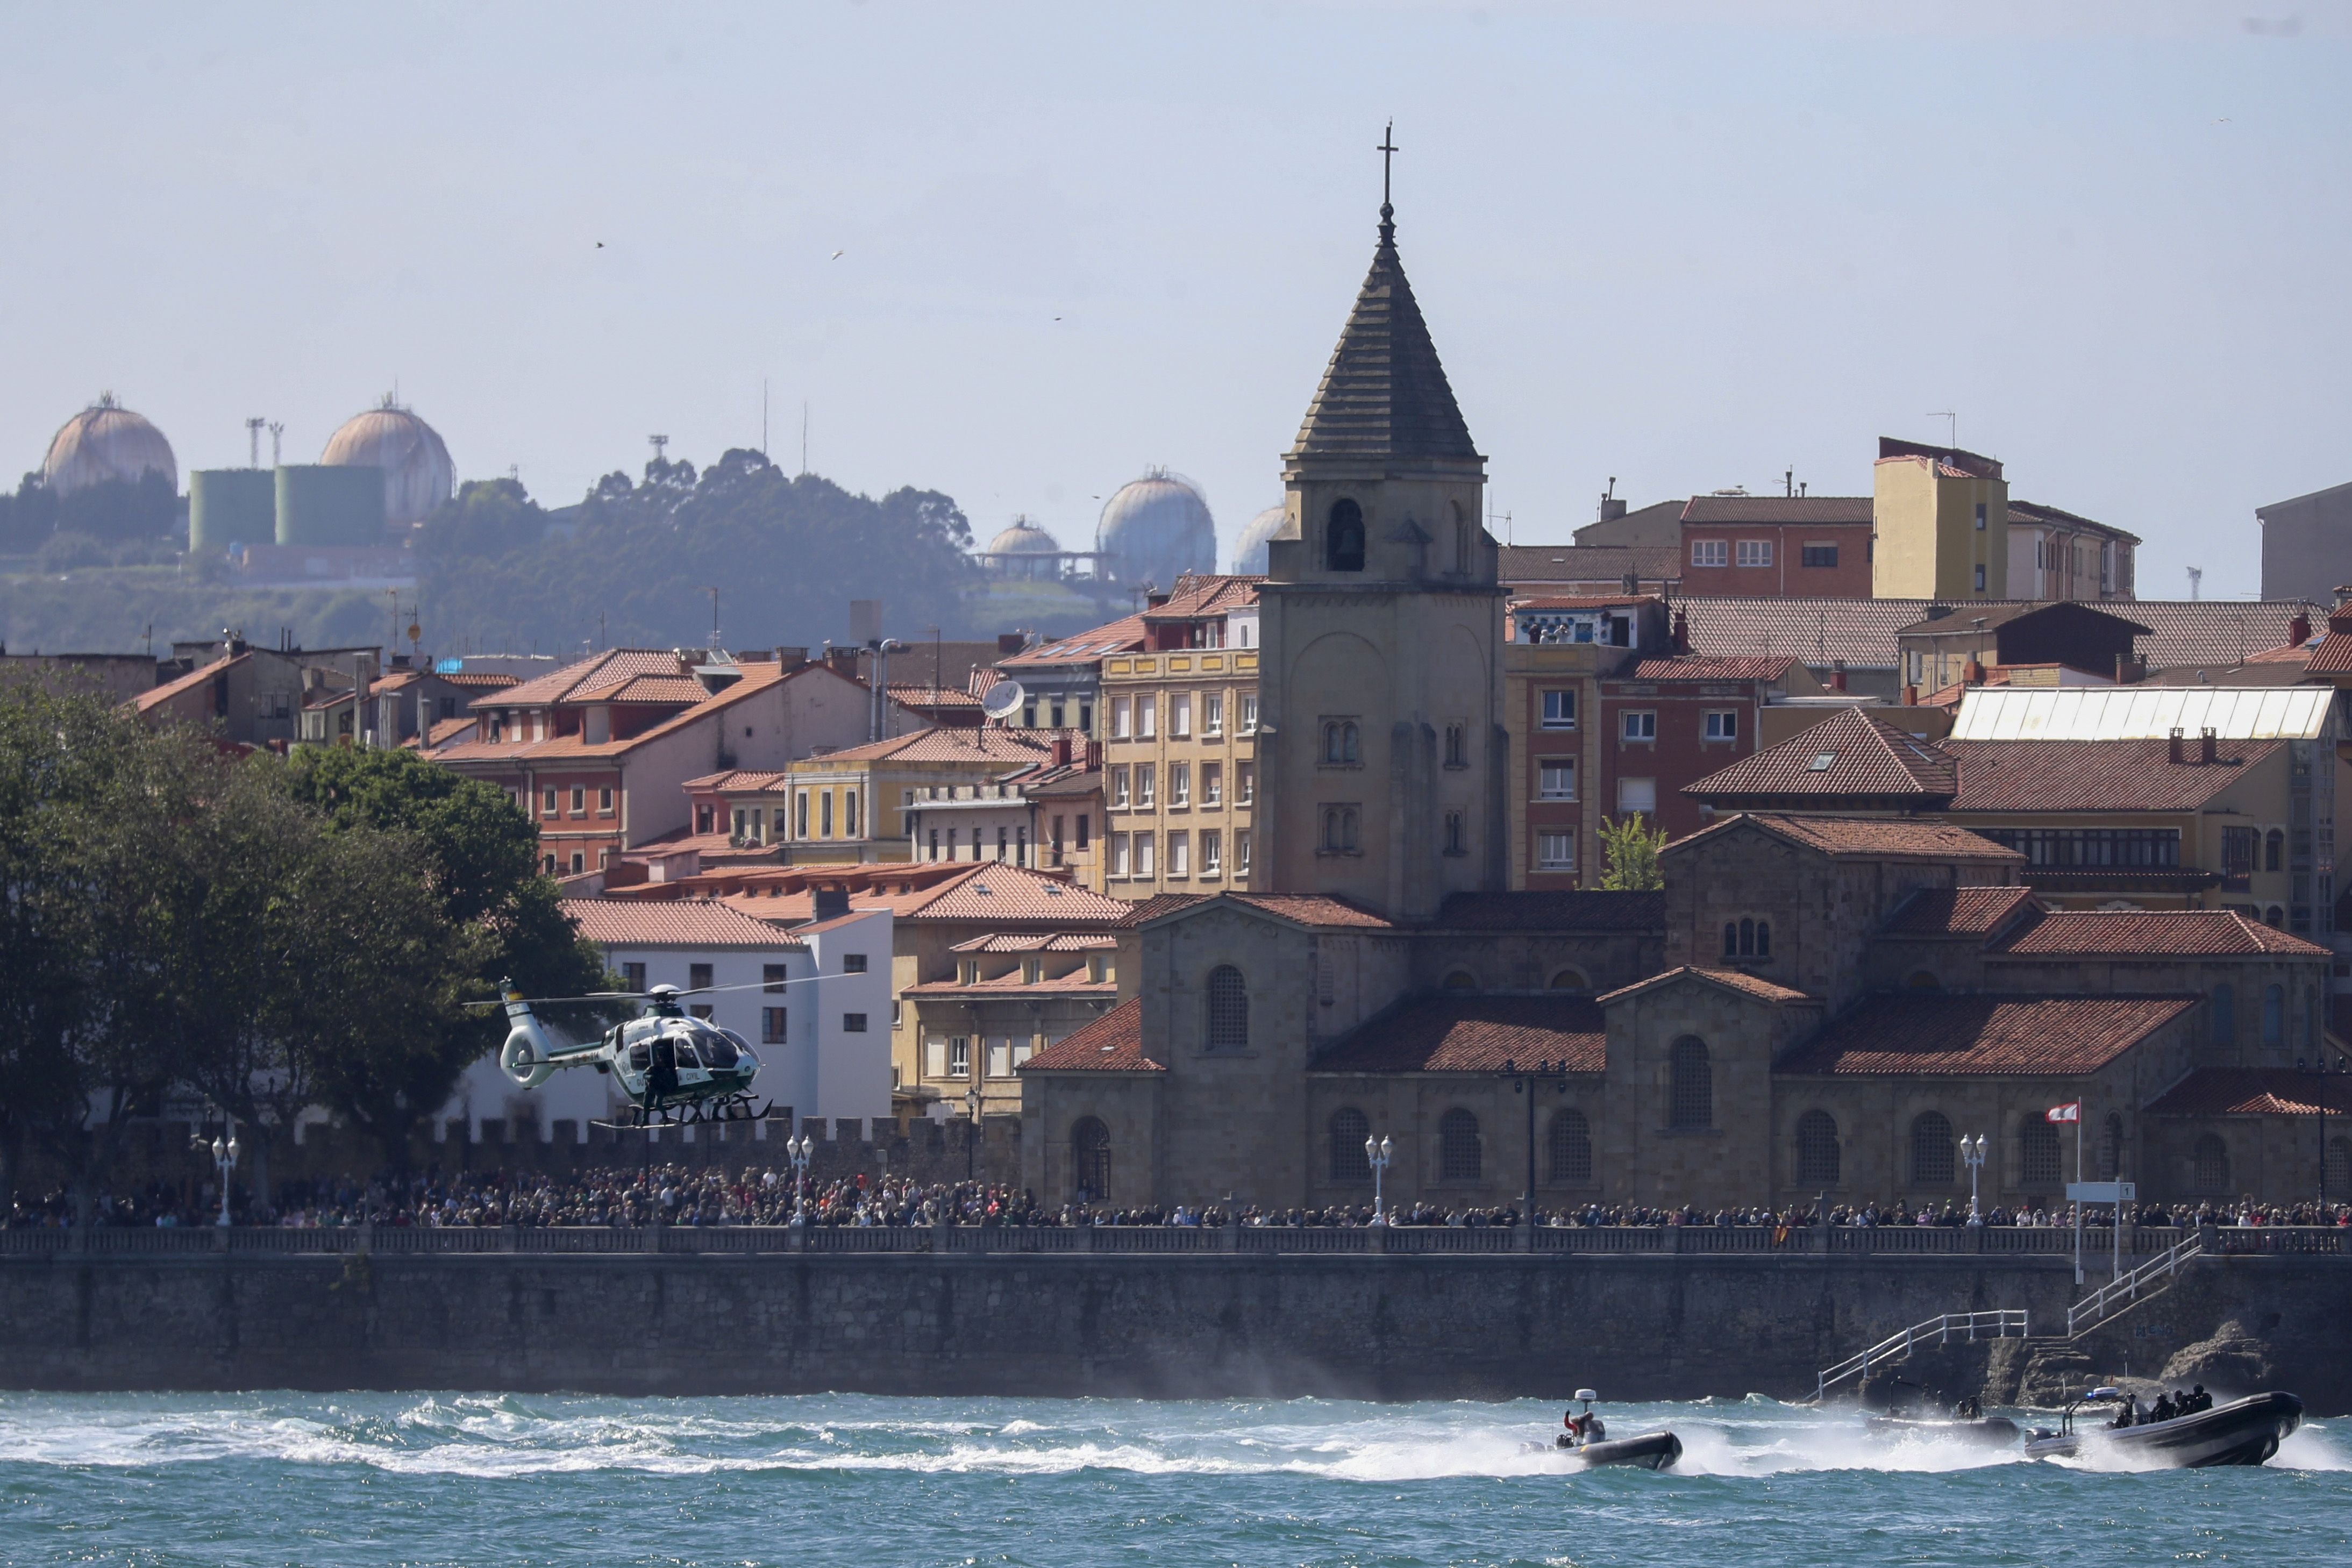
(1086, 717)
(1556, 778)
(1089, 1160)
(1146, 784)
(1179, 716)
(1710, 552)
(1638, 726)
(1057, 715)
(1119, 785)
(603, 803)
(1001, 839)
(579, 800)
(1693, 1100)
(2224, 1016)
(1350, 1131)
(1980, 572)
(1817, 1150)
(2238, 845)
(1342, 745)
(1339, 827)
(1245, 783)
(960, 1057)
(1719, 724)
(2210, 1165)
(1212, 714)
(1143, 854)
(1454, 834)
(1458, 745)
(1086, 824)
(800, 817)
(1242, 853)
(772, 1026)
(849, 807)
(633, 977)
(705, 819)
(853, 963)
(1343, 537)
(1559, 709)
(825, 815)
(935, 844)
(1179, 853)
(1931, 1150)
(1118, 855)
(1212, 783)
(549, 808)
(1249, 713)
(2037, 1155)
(1228, 1011)
(1122, 718)
(999, 1056)
(1568, 1142)
(2273, 1016)
(1459, 1156)
(1747, 938)
(2091, 847)
(1637, 795)
(1817, 555)
(1179, 783)
(2274, 849)
(1555, 851)
(1981, 523)
(1756, 553)
(1212, 853)
(1147, 718)
(772, 977)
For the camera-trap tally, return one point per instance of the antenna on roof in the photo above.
(1955, 418)
(253, 441)
(1788, 481)
(660, 444)
(277, 430)
(2196, 575)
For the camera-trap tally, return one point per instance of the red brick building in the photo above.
(1777, 547)
(1668, 723)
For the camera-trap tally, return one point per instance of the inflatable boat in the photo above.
(2243, 1432)
(1587, 1440)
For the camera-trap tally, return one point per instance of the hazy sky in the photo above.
(1020, 252)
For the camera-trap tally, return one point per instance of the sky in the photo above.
(1020, 252)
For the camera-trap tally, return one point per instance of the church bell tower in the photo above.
(1383, 777)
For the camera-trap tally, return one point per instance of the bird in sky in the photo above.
(599, 245)
(838, 255)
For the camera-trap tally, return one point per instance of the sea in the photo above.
(323, 1481)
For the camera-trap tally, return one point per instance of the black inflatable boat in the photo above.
(1587, 1440)
(2243, 1432)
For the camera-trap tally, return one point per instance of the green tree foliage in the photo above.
(1631, 852)
(785, 552)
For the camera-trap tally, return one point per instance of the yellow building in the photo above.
(1942, 517)
(1180, 761)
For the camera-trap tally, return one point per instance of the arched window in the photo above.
(1817, 1150)
(1731, 939)
(1931, 1149)
(1461, 980)
(2274, 849)
(1747, 939)
(1339, 825)
(1343, 537)
(1693, 1085)
(1570, 980)
(1350, 1129)
(2274, 1015)
(2225, 1016)
(1228, 1009)
(1091, 1160)
(1569, 1142)
(2210, 1165)
(1763, 939)
(1342, 744)
(2111, 1148)
(2037, 1155)
(1458, 1154)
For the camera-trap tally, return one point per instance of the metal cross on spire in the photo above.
(1388, 150)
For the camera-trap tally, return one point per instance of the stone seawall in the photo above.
(1202, 1326)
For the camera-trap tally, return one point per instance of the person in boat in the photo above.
(1971, 1408)
(2163, 1409)
(2126, 1412)
(2199, 1400)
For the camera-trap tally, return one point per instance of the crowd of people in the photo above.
(677, 1195)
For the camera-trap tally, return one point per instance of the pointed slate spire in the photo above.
(1385, 395)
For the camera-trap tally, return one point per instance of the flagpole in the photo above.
(2078, 1203)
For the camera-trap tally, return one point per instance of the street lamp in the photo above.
(224, 1156)
(1972, 1154)
(1378, 1155)
(2323, 1072)
(1525, 1080)
(971, 1129)
(799, 1150)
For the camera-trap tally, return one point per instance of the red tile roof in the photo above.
(1864, 756)
(1112, 1043)
(1941, 1034)
(2215, 632)
(987, 743)
(996, 892)
(1959, 912)
(607, 668)
(1314, 910)
(1526, 563)
(1700, 666)
(681, 922)
(1577, 910)
(481, 680)
(2094, 775)
(1141, 910)
(1057, 941)
(1074, 984)
(1798, 510)
(156, 697)
(2032, 512)
(1197, 594)
(680, 689)
(2174, 934)
(2255, 1092)
(1459, 1032)
(1729, 979)
(1861, 837)
(1124, 635)
(756, 678)
(2333, 655)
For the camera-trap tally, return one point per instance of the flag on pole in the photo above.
(2073, 1112)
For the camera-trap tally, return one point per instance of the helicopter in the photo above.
(677, 1070)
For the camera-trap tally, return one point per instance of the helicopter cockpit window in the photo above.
(717, 1052)
(686, 1060)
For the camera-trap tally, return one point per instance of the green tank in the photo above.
(231, 506)
(319, 503)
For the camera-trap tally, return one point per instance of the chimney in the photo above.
(1009, 643)
(1094, 754)
(1154, 601)
(843, 661)
(1682, 631)
(1972, 673)
(792, 659)
(2173, 751)
(1061, 750)
(1910, 696)
(2298, 630)
(2208, 751)
(2342, 594)
(831, 903)
(1837, 674)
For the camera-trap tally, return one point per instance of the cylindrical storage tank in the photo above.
(322, 503)
(231, 506)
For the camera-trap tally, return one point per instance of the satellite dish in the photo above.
(1001, 699)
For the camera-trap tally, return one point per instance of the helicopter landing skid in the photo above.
(730, 1112)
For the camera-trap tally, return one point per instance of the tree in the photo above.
(1631, 850)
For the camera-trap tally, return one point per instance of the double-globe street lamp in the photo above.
(1972, 1154)
(1378, 1153)
(224, 1156)
(800, 1151)
(2321, 1071)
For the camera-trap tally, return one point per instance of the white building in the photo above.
(813, 1001)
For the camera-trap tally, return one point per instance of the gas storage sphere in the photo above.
(1155, 530)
